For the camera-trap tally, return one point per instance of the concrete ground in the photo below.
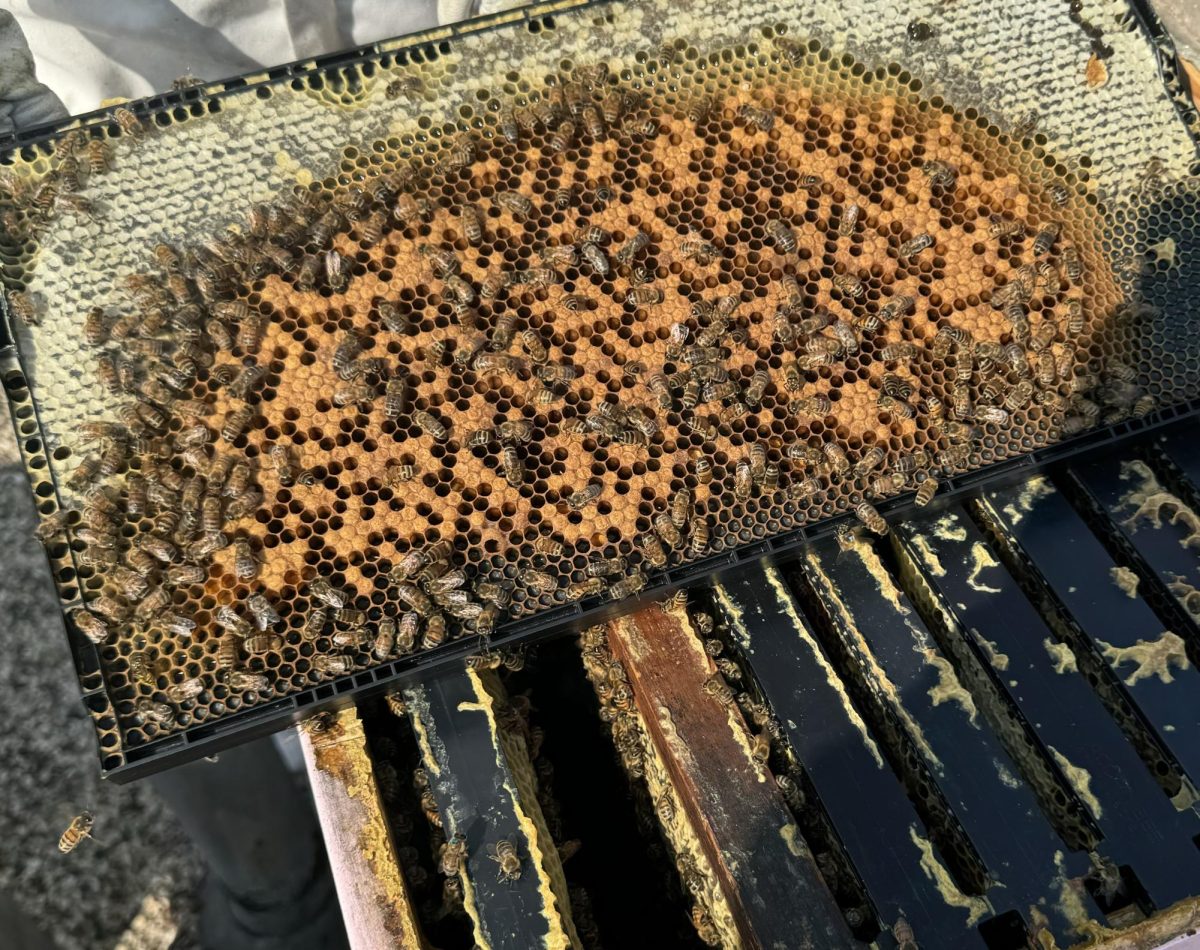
(135, 885)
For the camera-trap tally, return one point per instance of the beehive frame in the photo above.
(331, 111)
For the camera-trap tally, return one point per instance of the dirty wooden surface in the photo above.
(765, 871)
(370, 886)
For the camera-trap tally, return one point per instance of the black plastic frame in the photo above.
(233, 728)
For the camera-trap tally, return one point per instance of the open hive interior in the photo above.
(334, 370)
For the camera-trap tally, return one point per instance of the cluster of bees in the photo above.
(168, 461)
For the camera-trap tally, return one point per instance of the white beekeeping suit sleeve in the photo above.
(89, 51)
(24, 102)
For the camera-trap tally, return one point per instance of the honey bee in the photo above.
(1059, 194)
(636, 243)
(762, 120)
(353, 637)
(1044, 240)
(504, 853)
(783, 236)
(261, 610)
(245, 681)
(866, 513)
(97, 156)
(656, 382)
(408, 86)
(895, 352)
(925, 491)
(23, 307)
(182, 692)
(428, 423)
(1006, 229)
(698, 542)
(149, 711)
(435, 632)
(128, 123)
(849, 285)
(412, 596)
(560, 141)
(315, 622)
(653, 550)
(884, 485)
(333, 664)
(580, 499)
(644, 297)
(587, 588)
(515, 203)
(79, 828)
(914, 246)
(627, 586)
(849, 220)
(941, 174)
(1072, 263)
(757, 387)
(514, 468)
(743, 483)
(538, 581)
(91, 626)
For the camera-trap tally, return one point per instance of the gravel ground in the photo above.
(134, 887)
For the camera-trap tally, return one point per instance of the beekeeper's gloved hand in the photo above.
(24, 102)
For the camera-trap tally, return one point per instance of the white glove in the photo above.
(24, 102)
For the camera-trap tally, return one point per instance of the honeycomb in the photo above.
(600, 317)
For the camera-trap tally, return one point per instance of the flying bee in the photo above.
(783, 236)
(762, 120)
(914, 246)
(79, 828)
(515, 203)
